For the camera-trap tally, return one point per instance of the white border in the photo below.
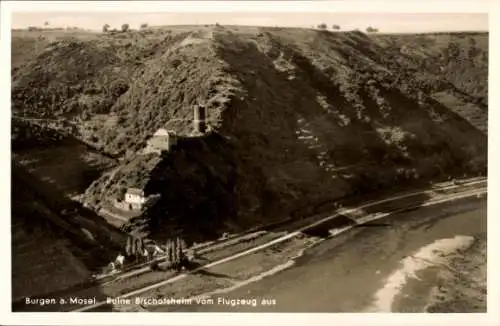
(384, 6)
(394, 6)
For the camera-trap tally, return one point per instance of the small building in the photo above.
(162, 140)
(135, 198)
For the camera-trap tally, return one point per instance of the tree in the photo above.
(129, 247)
(170, 252)
(179, 249)
(484, 57)
(322, 26)
(139, 247)
(125, 27)
(472, 51)
(118, 87)
(336, 27)
(453, 50)
(371, 30)
(472, 42)
(46, 24)
(145, 25)
(105, 28)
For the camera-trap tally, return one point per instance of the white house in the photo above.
(135, 198)
(162, 140)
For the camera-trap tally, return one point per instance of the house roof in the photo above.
(162, 132)
(135, 191)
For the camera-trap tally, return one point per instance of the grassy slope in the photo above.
(56, 157)
(462, 62)
(463, 57)
(44, 259)
(289, 108)
(138, 81)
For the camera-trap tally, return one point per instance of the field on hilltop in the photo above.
(296, 116)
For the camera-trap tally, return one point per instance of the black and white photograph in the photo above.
(248, 162)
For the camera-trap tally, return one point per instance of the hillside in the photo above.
(56, 157)
(45, 257)
(461, 61)
(296, 117)
(56, 244)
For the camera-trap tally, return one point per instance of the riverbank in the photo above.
(325, 277)
(462, 287)
(410, 287)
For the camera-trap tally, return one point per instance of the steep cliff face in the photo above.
(296, 117)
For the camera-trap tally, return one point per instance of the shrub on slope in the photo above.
(143, 82)
(460, 59)
(25, 135)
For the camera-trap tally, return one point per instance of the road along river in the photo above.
(184, 282)
(391, 266)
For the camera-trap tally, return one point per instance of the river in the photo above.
(368, 269)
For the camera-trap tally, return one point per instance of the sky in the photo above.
(385, 22)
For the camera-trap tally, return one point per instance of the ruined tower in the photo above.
(199, 118)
